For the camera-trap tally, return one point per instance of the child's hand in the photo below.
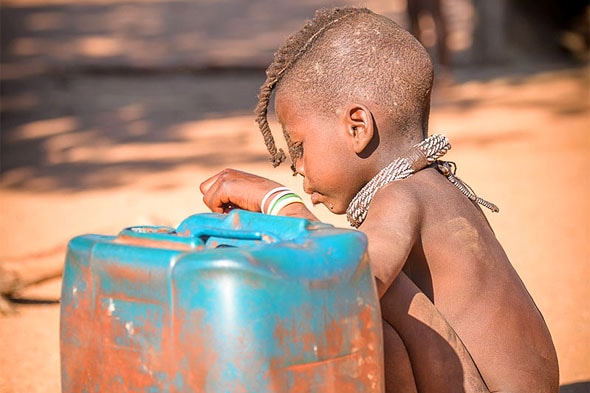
(237, 189)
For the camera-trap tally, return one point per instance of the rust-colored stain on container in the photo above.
(235, 303)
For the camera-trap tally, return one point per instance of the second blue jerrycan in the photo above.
(237, 303)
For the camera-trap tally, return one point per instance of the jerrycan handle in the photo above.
(220, 237)
(243, 228)
(156, 237)
(210, 237)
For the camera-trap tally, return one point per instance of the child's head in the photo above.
(352, 56)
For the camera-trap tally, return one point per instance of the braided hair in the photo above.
(330, 49)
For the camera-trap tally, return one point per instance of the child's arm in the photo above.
(440, 361)
(244, 191)
(392, 227)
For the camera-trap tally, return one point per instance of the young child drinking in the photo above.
(352, 93)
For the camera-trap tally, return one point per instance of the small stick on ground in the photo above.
(22, 272)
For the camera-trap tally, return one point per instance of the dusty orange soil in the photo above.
(522, 142)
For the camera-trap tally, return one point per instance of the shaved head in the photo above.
(352, 55)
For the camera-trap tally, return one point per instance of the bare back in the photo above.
(455, 259)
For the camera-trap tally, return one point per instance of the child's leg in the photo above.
(439, 360)
(398, 370)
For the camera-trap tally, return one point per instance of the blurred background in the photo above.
(113, 112)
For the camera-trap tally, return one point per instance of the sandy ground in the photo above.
(138, 154)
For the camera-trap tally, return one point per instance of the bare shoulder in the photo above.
(399, 199)
(428, 201)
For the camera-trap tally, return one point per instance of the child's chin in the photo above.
(334, 209)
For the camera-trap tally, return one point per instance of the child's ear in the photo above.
(360, 125)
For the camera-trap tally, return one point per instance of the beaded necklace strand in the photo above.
(420, 156)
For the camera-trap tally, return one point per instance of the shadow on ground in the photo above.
(67, 131)
(578, 387)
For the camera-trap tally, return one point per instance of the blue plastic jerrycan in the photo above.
(238, 303)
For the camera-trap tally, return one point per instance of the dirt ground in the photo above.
(137, 156)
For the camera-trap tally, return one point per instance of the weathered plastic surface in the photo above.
(226, 303)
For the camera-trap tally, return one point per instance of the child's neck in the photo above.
(418, 157)
(414, 159)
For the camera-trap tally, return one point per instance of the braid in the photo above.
(295, 46)
(276, 156)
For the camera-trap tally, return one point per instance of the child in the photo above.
(352, 93)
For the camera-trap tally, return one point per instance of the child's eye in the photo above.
(296, 151)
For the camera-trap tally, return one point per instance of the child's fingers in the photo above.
(223, 189)
(214, 196)
(206, 185)
(236, 188)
